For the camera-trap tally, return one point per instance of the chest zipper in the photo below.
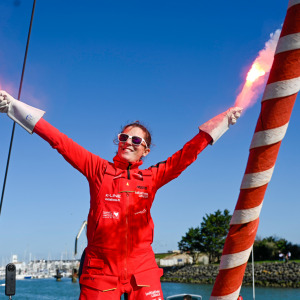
(126, 236)
(128, 170)
(127, 223)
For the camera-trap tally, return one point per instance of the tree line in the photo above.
(270, 247)
(209, 238)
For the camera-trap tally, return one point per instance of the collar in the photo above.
(123, 164)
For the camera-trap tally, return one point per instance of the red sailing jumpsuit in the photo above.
(119, 257)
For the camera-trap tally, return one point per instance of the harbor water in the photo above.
(49, 289)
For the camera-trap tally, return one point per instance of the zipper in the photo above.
(126, 237)
(127, 225)
(128, 170)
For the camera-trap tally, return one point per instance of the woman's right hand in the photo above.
(5, 100)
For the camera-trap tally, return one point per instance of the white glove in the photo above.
(25, 115)
(3, 103)
(218, 125)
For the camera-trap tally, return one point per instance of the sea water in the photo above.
(50, 289)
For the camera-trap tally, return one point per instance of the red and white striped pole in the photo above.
(276, 108)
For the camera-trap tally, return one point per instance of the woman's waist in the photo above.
(113, 262)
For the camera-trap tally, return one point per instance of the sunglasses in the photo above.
(136, 140)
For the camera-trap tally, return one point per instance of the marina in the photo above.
(38, 269)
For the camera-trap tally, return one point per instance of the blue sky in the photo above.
(94, 66)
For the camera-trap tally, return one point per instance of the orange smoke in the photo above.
(256, 76)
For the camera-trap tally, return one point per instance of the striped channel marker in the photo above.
(276, 108)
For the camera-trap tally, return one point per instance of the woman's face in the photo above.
(130, 152)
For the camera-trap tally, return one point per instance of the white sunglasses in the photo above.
(136, 140)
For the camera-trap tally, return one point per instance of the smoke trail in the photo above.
(256, 76)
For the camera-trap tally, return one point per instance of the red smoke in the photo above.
(256, 76)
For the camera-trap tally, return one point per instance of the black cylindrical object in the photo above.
(10, 280)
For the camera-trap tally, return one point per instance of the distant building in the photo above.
(180, 259)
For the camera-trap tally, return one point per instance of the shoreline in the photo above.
(273, 274)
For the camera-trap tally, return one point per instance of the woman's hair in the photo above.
(143, 127)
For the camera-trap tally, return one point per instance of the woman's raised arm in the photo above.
(30, 118)
(209, 133)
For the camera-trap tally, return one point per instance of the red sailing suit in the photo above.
(119, 257)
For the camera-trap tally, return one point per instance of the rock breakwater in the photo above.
(273, 274)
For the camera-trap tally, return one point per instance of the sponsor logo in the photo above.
(140, 212)
(29, 117)
(142, 194)
(112, 197)
(142, 187)
(153, 294)
(111, 215)
(88, 278)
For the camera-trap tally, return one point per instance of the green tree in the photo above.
(209, 238)
(191, 243)
(214, 230)
(282, 245)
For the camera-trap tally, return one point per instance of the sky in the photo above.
(93, 66)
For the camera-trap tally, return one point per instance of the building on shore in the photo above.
(181, 259)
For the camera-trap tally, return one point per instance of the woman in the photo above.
(119, 257)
